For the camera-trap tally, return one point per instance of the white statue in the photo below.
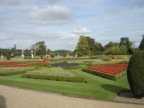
(22, 54)
(32, 56)
(1, 56)
(76, 55)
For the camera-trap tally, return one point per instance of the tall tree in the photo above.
(39, 48)
(92, 45)
(82, 48)
(99, 48)
(111, 44)
(141, 46)
(123, 50)
(127, 43)
(34, 47)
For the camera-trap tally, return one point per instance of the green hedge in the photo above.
(57, 74)
(14, 70)
(104, 75)
(135, 74)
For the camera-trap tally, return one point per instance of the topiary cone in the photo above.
(135, 74)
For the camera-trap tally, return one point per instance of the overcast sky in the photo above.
(60, 22)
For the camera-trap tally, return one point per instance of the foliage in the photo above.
(61, 52)
(92, 45)
(111, 44)
(13, 71)
(141, 46)
(64, 54)
(135, 74)
(39, 48)
(52, 55)
(99, 48)
(7, 54)
(123, 50)
(27, 54)
(127, 43)
(14, 52)
(82, 48)
(116, 50)
(57, 74)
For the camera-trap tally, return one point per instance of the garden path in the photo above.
(11, 97)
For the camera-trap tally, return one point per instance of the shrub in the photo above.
(135, 74)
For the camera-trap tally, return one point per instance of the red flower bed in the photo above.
(111, 69)
(12, 64)
(16, 64)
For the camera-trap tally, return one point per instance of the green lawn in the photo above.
(96, 87)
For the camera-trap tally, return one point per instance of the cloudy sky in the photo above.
(60, 22)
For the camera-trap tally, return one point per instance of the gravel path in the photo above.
(11, 97)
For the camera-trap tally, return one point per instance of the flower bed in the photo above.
(60, 64)
(12, 64)
(21, 64)
(110, 71)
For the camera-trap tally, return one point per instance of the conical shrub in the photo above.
(135, 74)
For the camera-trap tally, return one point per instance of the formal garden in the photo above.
(67, 76)
(99, 76)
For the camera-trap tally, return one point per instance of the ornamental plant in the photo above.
(12, 64)
(109, 71)
(135, 74)
(112, 69)
(62, 64)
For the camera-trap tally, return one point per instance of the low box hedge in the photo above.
(14, 70)
(104, 75)
(56, 73)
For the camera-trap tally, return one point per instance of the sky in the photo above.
(60, 23)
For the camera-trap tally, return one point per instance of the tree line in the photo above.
(86, 46)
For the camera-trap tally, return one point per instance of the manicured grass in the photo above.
(95, 88)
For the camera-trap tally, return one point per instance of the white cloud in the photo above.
(52, 15)
(69, 38)
(82, 31)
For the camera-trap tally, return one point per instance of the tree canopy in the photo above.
(141, 46)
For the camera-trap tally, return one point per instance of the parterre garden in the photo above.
(90, 78)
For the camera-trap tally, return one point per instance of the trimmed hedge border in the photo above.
(14, 70)
(104, 75)
(56, 78)
(57, 74)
